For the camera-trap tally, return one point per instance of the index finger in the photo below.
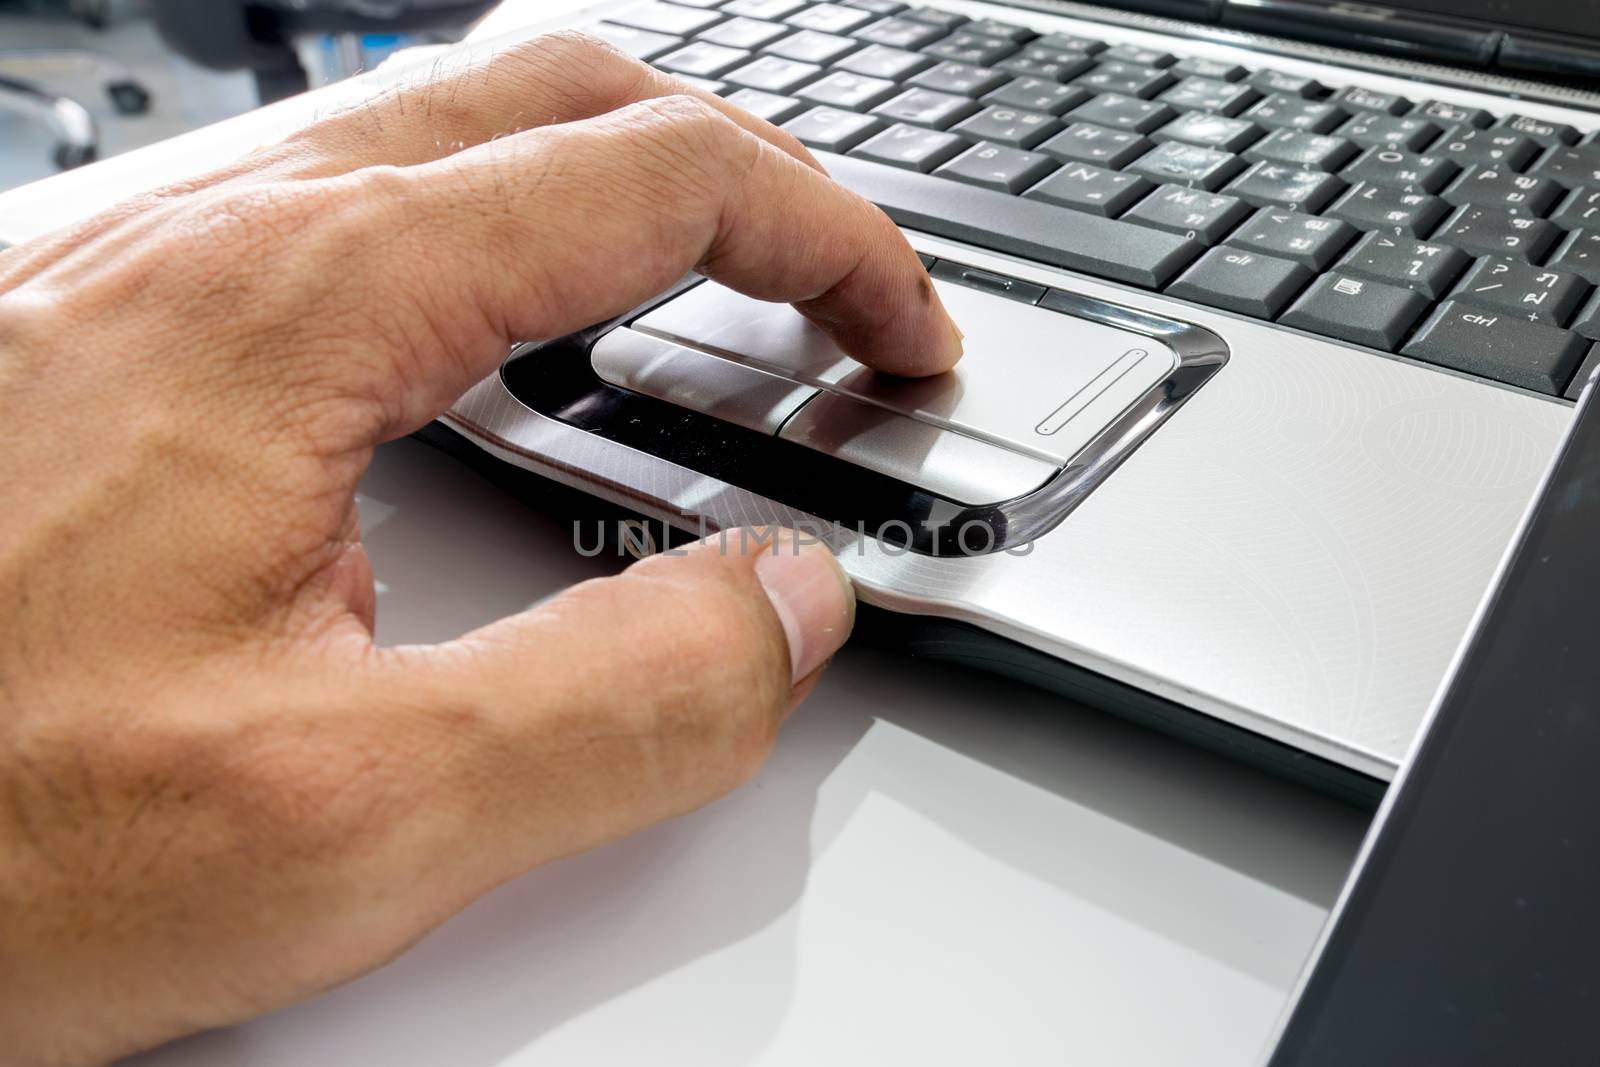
(537, 235)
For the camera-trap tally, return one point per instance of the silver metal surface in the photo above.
(1298, 551)
(942, 461)
(721, 388)
(1037, 381)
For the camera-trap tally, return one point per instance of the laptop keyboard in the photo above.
(1446, 234)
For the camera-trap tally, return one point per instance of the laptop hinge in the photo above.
(1369, 28)
(1563, 57)
(1430, 38)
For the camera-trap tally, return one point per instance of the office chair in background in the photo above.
(261, 36)
(77, 138)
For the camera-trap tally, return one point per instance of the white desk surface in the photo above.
(937, 867)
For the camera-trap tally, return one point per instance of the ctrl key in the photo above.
(1499, 345)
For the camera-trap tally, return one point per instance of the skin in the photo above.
(217, 795)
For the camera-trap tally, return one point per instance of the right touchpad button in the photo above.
(943, 462)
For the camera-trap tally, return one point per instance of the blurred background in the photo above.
(87, 79)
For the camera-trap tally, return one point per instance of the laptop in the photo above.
(1276, 311)
(1465, 933)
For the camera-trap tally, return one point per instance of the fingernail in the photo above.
(961, 338)
(958, 339)
(812, 596)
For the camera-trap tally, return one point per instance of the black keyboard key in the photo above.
(774, 74)
(1051, 66)
(1106, 248)
(852, 92)
(1580, 254)
(993, 166)
(702, 59)
(708, 85)
(877, 7)
(911, 148)
(1587, 324)
(829, 18)
(948, 20)
(1574, 166)
(770, 106)
(1275, 185)
(1084, 143)
(963, 79)
(665, 18)
(1200, 67)
(995, 28)
(1470, 146)
(1585, 373)
(1358, 310)
(1447, 114)
(766, 10)
(1037, 94)
(1285, 111)
(1246, 282)
(964, 46)
(1201, 216)
(924, 107)
(1292, 235)
(699, 3)
(1536, 294)
(831, 129)
(1486, 232)
(1268, 82)
(1390, 131)
(1070, 42)
(1426, 266)
(881, 61)
(1499, 346)
(1355, 98)
(1312, 151)
(1138, 57)
(1504, 190)
(1208, 94)
(1395, 169)
(1580, 209)
(640, 44)
(1092, 189)
(809, 46)
(1126, 79)
(1210, 131)
(900, 32)
(1378, 207)
(1008, 126)
(1542, 133)
(748, 34)
(1117, 112)
(1184, 164)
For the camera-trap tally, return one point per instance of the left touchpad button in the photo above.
(732, 392)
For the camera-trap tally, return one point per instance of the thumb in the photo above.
(617, 704)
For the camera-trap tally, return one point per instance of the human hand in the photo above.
(217, 796)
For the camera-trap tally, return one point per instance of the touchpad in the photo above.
(1039, 384)
(1032, 380)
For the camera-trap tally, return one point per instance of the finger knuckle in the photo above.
(691, 147)
(579, 72)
